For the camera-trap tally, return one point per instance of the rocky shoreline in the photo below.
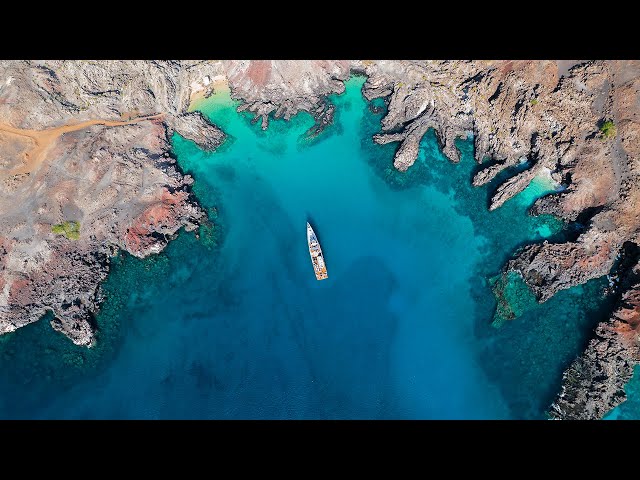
(119, 185)
(520, 110)
(282, 89)
(580, 122)
(594, 383)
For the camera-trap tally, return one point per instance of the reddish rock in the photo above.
(164, 217)
(259, 72)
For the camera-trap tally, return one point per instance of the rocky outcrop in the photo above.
(123, 188)
(65, 284)
(549, 267)
(283, 88)
(605, 190)
(323, 116)
(514, 109)
(523, 110)
(195, 127)
(151, 230)
(551, 116)
(118, 182)
(594, 383)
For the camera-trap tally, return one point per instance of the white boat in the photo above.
(317, 259)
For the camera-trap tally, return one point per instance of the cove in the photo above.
(233, 323)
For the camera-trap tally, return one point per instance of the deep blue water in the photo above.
(233, 324)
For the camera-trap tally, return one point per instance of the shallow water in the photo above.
(235, 325)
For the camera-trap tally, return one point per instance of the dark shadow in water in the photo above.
(569, 233)
(335, 391)
(353, 382)
(203, 377)
(226, 173)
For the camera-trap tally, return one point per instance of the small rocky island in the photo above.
(87, 170)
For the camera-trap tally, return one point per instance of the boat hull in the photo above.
(315, 251)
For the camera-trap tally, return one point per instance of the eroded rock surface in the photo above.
(115, 178)
(282, 88)
(550, 114)
(594, 383)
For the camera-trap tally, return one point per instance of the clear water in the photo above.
(233, 324)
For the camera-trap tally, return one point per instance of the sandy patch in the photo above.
(44, 140)
(202, 89)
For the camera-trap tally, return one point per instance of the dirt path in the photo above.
(43, 140)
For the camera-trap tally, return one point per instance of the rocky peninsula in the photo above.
(86, 167)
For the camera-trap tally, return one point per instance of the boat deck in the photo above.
(317, 258)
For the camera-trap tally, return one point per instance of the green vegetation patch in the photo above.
(70, 229)
(534, 101)
(608, 129)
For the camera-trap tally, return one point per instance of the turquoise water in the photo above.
(233, 324)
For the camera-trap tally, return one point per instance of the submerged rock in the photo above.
(512, 294)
